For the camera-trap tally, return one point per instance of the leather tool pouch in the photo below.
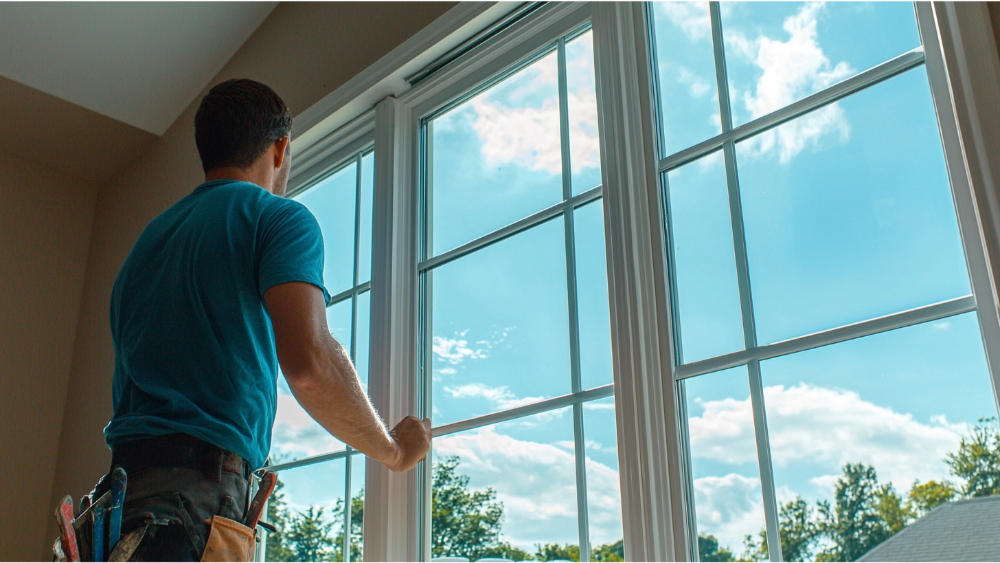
(228, 540)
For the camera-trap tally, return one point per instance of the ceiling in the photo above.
(141, 63)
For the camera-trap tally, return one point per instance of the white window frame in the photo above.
(965, 78)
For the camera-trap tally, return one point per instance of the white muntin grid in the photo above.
(564, 210)
(753, 353)
(358, 288)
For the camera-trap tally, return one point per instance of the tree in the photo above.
(609, 552)
(309, 536)
(709, 550)
(463, 523)
(357, 527)
(507, 551)
(923, 498)
(556, 552)
(977, 461)
(855, 523)
(798, 530)
(277, 515)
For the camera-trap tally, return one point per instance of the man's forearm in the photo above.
(332, 394)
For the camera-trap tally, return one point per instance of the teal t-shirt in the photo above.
(194, 347)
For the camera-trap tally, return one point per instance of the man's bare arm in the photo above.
(322, 378)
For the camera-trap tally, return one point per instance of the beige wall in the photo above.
(45, 221)
(304, 51)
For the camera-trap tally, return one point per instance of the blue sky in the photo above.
(848, 216)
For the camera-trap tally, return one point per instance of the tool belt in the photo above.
(178, 450)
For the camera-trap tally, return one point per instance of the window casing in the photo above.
(659, 511)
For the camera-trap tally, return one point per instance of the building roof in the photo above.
(965, 530)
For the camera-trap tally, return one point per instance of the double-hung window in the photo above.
(823, 317)
(318, 504)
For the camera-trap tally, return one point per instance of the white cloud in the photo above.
(448, 371)
(690, 17)
(697, 85)
(500, 397)
(536, 483)
(296, 434)
(529, 136)
(456, 350)
(729, 508)
(792, 69)
(943, 325)
(827, 428)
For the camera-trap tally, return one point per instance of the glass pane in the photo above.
(332, 201)
(897, 402)
(357, 506)
(496, 158)
(780, 52)
(849, 213)
(604, 496)
(367, 200)
(518, 478)
(500, 326)
(295, 434)
(304, 509)
(728, 501)
(685, 63)
(707, 293)
(585, 147)
(592, 296)
(364, 314)
(338, 320)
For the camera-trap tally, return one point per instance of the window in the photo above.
(827, 338)
(516, 356)
(796, 306)
(318, 475)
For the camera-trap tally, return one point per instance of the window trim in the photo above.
(656, 502)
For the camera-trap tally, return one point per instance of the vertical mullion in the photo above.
(746, 299)
(348, 500)
(425, 286)
(580, 455)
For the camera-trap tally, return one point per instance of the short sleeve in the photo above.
(291, 248)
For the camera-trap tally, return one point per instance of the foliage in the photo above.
(977, 461)
(277, 515)
(854, 524)
(556, 552)
(923, 498)
(799, 533)
(309, 536)
(708, 550)
(464, 523)
(506, 551)
(609, 552)
(357, 527)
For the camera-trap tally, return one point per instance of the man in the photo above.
(218, 291)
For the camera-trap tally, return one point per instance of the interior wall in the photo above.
(303, 51)
(45, 222)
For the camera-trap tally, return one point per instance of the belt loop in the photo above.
(215, 460)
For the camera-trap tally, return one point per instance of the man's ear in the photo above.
(280, 151)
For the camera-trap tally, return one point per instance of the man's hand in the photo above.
(413, 439)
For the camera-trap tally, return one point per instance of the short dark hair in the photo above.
(236, 123)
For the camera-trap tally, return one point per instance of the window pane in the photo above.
(728, 500)
(849, 213)
(367, 200)
(524, 471)
(898, 401)
(604, 496)
(304, 509)
(707, 293)
(685, 64)
(496, 158)
(357, 506)
(592, 296)
(780, 52)
(338, 320)
(500, 326)
(364, 314)
(332, 201)
(585, 148)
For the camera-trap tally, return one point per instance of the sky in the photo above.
(847, 214)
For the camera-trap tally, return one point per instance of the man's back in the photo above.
(195, 351)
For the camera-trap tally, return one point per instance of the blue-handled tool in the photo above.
(98, 543)
(119, 482)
